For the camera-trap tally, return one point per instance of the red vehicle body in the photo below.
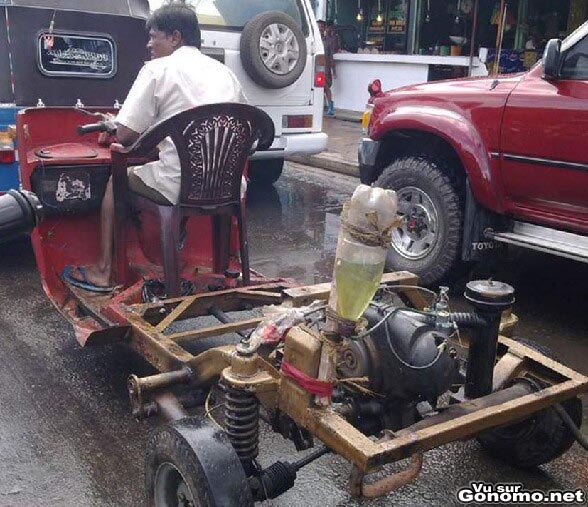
(487, 160)
(69, 233)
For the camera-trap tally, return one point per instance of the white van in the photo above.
(272, 46)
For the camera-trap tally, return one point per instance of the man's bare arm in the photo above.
(125, 135)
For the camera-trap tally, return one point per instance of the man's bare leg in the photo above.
(99, 274)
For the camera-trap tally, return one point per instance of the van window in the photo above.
(233, 14)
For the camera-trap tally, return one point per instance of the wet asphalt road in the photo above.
(66, 434)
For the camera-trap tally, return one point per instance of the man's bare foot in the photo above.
(92, 275)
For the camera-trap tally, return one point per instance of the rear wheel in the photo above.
(266, 171)
(273, 49)
(538, 439)
(191, 463)
(428, 241)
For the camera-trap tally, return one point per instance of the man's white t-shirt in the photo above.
(167, 86)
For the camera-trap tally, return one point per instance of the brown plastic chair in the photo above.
(213, 143)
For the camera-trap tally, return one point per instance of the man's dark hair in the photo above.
(176, 16)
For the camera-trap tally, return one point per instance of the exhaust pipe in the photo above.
(489, 299)
(20, 212)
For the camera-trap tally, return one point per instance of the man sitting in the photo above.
(178, 77)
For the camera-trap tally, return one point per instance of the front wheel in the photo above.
(266, 171)
(428, 241)
(191, 463)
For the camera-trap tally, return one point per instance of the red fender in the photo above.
(460, 133)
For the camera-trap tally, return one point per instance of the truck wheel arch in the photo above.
(452, 129)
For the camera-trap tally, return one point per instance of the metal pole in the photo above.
(474, 33)
(499, 36)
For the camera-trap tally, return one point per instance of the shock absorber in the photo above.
(242, 424)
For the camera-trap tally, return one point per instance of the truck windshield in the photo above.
(234, 14)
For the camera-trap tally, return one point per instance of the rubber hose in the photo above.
(565, 417)
(468, 320)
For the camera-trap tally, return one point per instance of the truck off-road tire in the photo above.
(273, 49)
(191, 462)
(428, 242)
(265, 171)
(539, 439)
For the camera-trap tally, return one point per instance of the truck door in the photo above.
(545, 145)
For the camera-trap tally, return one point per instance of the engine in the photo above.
(406, 359)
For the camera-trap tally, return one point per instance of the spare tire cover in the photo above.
(273, 49)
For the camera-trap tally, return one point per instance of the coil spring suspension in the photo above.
(242, 422)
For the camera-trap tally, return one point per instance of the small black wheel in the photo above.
(266, 171)
(537, 440)
(428, 242)
(191, 463)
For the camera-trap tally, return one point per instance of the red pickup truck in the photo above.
(478, 163)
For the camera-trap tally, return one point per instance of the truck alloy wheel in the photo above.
(418, 234)
(191, 463)
(428, 242)
(273, 50)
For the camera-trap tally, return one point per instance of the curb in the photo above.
(347, 115)
(329, 161)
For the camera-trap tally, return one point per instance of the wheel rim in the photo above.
(171, 489)
(279, 49)
(419, 232)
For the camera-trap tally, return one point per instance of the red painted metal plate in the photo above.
(67, 150)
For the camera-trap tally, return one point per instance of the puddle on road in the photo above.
(293, 227)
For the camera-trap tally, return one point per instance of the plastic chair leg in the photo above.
(244, 245)
(169, 220)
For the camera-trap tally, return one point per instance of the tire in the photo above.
(537, 440)
(280, 59)
(266, 172)
(428, 243)
(195, 459)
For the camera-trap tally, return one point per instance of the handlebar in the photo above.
(101, 126)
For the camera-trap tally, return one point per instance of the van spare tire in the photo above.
(273, 49)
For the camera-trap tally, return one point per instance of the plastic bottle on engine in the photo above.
(361, 250)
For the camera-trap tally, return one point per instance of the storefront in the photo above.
(411, 41)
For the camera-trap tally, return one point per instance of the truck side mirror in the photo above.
(552, 59)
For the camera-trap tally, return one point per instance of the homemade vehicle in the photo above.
(385, 373)
(61, 53)
(479, 164)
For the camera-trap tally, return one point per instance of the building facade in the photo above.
(410, 41)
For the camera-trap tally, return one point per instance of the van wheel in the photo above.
(538, 439)
(428, 241)
(273, 49)
(265, 172)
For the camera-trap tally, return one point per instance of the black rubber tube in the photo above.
(468, 320)
(565, 417)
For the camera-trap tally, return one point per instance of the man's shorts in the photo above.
(138, 186)
(329, 77)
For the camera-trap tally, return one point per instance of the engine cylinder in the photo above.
(405, 359)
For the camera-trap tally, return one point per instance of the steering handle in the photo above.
(101, 126)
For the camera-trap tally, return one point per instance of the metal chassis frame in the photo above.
(145, 325)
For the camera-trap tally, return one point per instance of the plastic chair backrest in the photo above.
(213, 144)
